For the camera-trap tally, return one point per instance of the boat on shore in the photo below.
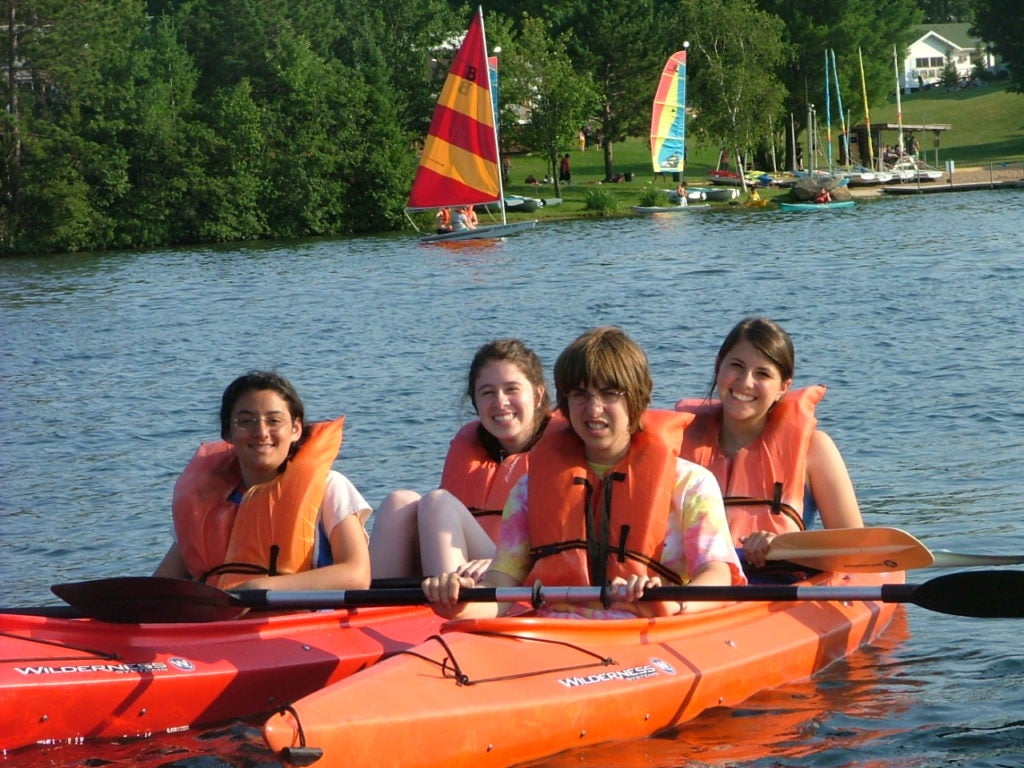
(670, 208)
(498, 692)
(69, 679)
(908, 170)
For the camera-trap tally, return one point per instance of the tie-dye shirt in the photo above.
(697, 533)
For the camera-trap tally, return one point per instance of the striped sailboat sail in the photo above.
(668, 117)
(460, 162)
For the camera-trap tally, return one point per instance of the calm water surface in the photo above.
(909, 309)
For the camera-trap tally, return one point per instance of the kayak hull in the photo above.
(505, 691)
(816, 206)
(64, 680)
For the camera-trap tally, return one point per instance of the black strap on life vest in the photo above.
(598, 540)
(777, 505)
(249, 569)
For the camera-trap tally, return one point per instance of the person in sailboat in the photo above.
(444, 221)
(606, 456)
(758, 422)
(463, 218)
(454, 527)
(262, 508)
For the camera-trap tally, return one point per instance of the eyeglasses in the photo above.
(583, 397)
(249, 423)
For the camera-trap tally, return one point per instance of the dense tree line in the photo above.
(135, 123)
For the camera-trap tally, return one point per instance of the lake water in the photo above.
(910, 309)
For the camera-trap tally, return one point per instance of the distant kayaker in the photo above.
(262, 508)
(453, 528)
(823, 196)
(759, 421)
(606, 500)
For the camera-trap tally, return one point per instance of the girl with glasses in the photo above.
(262, 508)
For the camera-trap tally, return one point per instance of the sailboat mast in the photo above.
(494, 116)
(828, 117)
(867, 111)
(899, 105)
(842, 115)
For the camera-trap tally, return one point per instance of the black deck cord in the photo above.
(300, 755)
(451, 668)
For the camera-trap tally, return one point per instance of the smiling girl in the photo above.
(262, 508)
(760, 438)
(453, 528)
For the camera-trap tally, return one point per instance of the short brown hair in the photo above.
(605, 357)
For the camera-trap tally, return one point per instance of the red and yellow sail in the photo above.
(460, 163)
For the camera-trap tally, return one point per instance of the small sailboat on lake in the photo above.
(460, 164)
(668, 128)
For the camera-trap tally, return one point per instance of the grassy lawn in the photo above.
(987, 126)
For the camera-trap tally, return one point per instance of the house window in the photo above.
(921, 63)
(936, 61)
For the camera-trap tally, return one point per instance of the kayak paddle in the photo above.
(872, 550)
(983, 594)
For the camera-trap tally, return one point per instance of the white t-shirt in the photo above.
(341, 499)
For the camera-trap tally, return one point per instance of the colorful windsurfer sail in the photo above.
(668, 116)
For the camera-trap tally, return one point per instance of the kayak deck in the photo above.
(65, 680)
(525, 688)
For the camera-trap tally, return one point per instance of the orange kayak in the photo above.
(70, 679)
(498, 692)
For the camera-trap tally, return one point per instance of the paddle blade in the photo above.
(852, 550)
(148, 599)
(981, 594)
(946, 559)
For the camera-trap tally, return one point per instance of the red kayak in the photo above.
(72, 679)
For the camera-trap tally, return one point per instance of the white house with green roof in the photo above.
(936, 45)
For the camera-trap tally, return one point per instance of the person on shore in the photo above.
(565, 170)
(454, 527)
(681, 193)
(776, 469)
(262, 508)
(606, 500)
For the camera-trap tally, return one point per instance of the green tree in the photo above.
(944, 11)
(541, 86)
(1001, 24)
(612, 42)
(735, 51)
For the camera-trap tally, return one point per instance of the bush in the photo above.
(600, 200)
(651, 197)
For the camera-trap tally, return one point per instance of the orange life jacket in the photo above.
(763, 484)
(473, 476)
(272, 530)
(587, 530)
